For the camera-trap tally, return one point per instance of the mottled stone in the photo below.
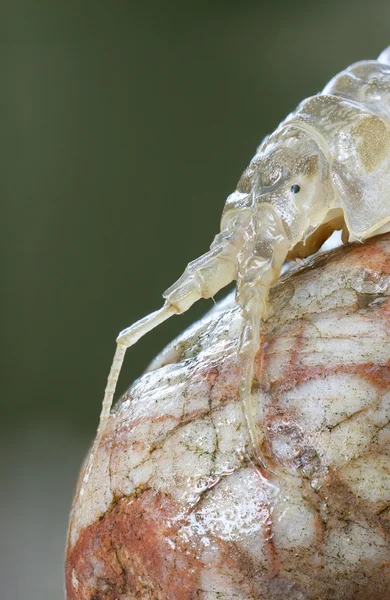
(174, 509)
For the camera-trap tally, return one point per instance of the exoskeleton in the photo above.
(325, 168)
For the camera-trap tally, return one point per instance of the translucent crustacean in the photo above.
(324, 168)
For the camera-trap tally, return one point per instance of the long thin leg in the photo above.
(252, 314)
(202, 278)
(259, 265)
(128, 338)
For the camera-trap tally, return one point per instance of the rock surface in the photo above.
(173, 508)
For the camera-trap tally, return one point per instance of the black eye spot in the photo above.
(295, 188)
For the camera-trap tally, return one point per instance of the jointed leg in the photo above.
(128, 338)
(202, 278)
(252, 313)
(259, 264)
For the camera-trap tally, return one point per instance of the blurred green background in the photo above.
(125, 125)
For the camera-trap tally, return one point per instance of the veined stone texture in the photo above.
(174, 509)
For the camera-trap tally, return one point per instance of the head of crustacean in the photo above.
(294, 177)
(291, 172)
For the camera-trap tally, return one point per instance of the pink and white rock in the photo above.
(174, 509)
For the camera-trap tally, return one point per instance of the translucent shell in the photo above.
(326, 167)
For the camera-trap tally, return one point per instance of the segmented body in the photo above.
(326, 167)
